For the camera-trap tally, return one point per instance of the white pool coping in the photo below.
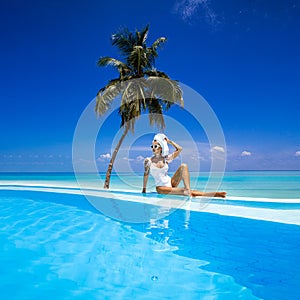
(199, 204)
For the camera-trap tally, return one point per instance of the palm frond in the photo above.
(165, 89)
(124, 40)
(109, 61)
(115, 63)
(156, 113)
(158, 43)
(138, 59)
(155, 73)
(106, 96)
(143, 35)
(135, 92)
(152, 50)
(133, 102)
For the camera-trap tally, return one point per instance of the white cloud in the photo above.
(217, 152)
(297, 153)
(140, 158)
(246, 153)
(104, 156)
(218, 149)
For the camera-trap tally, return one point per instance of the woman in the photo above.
(158, 167)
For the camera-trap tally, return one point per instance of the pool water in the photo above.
(56, 245)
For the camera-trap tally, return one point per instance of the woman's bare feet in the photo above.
(220, 194)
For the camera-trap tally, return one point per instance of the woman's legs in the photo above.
(172, 190)
(185, 192)
(183, 174)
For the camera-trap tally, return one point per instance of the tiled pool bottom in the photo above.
(58, 246)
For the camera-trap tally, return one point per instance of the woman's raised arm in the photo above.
(176, 146)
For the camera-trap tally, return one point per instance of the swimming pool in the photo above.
(54, 243)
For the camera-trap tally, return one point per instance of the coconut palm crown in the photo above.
(142, 88)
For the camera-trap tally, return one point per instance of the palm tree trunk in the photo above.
(113, 157)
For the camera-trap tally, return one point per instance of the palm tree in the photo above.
(142, 88)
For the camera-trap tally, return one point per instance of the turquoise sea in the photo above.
(258, 184)
(56, 243)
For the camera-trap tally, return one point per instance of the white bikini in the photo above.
(160, 175)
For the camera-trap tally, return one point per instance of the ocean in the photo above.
(250, 184)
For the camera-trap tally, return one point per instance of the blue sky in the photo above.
(241, 56)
